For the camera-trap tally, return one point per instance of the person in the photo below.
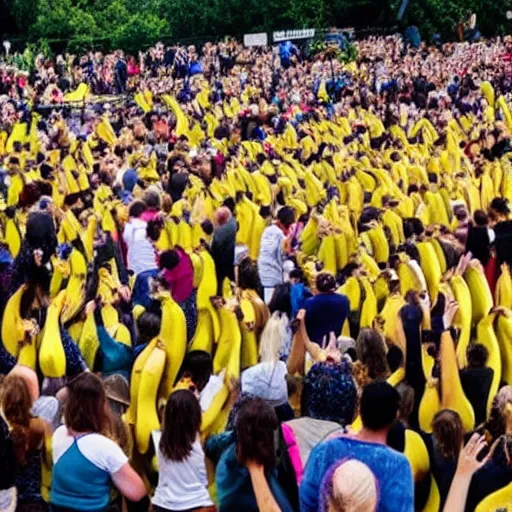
(476, 380)
(468, 464)
(273, 249)
(250, 449)
(223, 246)
(349, 486)
(371, 356)
(499, 211)
(140, 252)
(480, 237)
(182, 479)
(178, 272)
(85, 459)
(326, 311)
(379, 409)
(444, 445)
(27, 434)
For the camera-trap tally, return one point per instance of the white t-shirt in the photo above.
(183, 485)
(98, 449)
(140, 252)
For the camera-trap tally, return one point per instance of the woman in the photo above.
(444, 445)
(371, 354)
(182, 479)
(27, 436)
(85, 460)
(247, 462)
(349, 486)
(178, 271)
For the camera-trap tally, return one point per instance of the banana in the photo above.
(230, 338)
(309, 241)
(503, 293)
(431, 268)
(130, 416)
(342, 255)
(453, 396)
(486, 336)
(481, 296)
(13, 332)
(327, 254)
(13, 237)
(408, 278)
(369, 306)
(440, 254)
(430, 405)
(89, 342)
(249, 349)
(52, 358)
(463, 317)
(370, 265)
(498, 500)
(197, 263)
(173, 336)
(75, 289)
(352, 290)
(203, 337)
(417, 455)
(208, 289)
(147, 417)
(504, 335)
(390, 315)
(379, 244)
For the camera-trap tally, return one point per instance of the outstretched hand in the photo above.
(468, 458)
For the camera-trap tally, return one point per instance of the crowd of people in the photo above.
(254, 279)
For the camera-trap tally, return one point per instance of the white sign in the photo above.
(286, 35)
(260, 39)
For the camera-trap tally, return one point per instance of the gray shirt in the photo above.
(271, 257)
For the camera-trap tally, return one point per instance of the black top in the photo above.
(497, 473)
(503, 242)
(7, 457)
(476, 383)
(478, 243)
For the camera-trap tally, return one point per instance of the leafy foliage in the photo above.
(134, 24)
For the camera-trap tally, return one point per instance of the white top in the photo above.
(141, 255)
(98, 449)
(182, 485)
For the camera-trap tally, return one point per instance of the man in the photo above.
(379, 408)
(273, 250)
(223, 246)
(327, 311)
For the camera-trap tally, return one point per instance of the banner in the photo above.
(260, 39)
(286, 35)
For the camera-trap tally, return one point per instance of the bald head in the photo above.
(30, 377)
(222, 215)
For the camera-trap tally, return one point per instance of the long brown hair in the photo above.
(16, 404)
(86, 409)
(448, 432)
(182, 422)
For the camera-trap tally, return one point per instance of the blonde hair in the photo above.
(354, 488)
(272, 337)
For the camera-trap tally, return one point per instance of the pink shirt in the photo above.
(181, 277)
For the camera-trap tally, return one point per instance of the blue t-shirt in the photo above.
(326, 313)
(391, 469)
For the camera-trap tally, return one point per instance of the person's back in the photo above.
(476, 381)
(255, 426)
(223, 245)
(140, 251)
(379, 406)
(327, 311)
(182, 479)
